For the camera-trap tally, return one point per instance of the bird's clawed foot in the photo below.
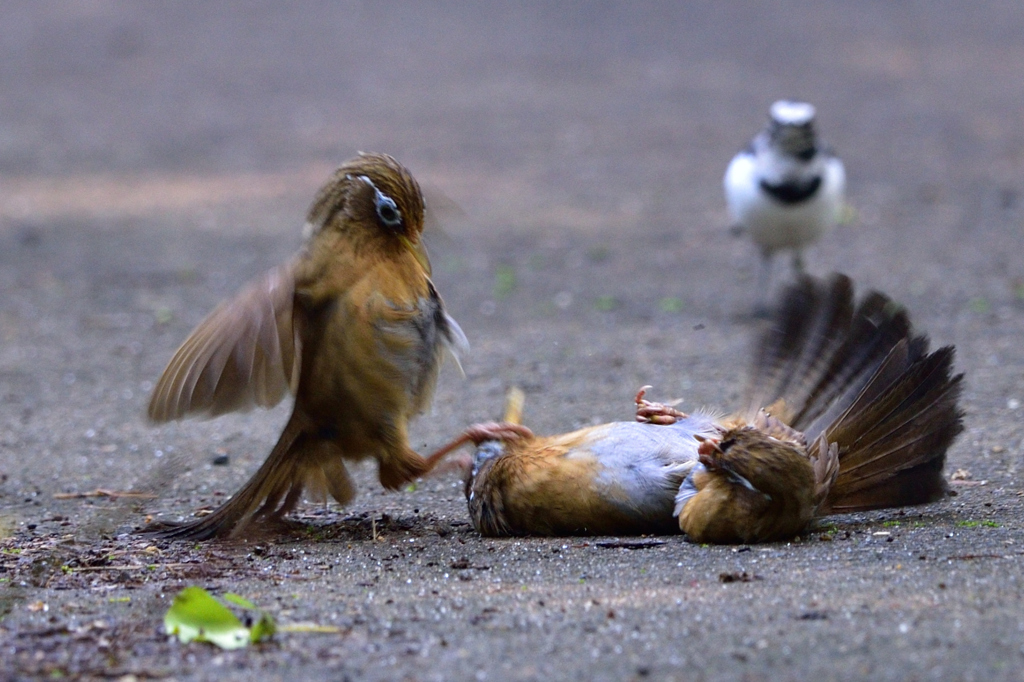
(655, 413)
(478, 433)
(475, 434)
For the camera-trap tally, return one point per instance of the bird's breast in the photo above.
(614, 478)
(370, 355)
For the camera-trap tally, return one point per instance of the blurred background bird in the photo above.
(846, 411)
(785, 189)
(351, 325)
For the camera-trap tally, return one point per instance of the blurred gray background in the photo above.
(154, 156)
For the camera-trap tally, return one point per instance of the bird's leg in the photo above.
(764, 280)
(508, 429)
(475, 434)
(395, 472)
(798, 261)
(478, 433)
(655, 413)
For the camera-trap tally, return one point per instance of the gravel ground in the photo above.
(155, 156)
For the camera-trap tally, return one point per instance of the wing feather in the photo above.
(243, 355)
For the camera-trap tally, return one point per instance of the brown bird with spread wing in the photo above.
(351, 325)
(847, 411)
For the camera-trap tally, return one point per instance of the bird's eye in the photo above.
(387, 211)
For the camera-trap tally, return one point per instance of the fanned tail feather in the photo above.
(877, 327)
(795, 352)
(860, 379)
(893, 448)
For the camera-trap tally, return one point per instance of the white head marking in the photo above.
(786, 112)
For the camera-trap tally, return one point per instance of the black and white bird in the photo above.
(785, 189)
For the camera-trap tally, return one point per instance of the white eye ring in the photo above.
(387, 209)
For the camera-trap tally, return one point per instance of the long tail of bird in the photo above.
(298, 462)
(858, 376)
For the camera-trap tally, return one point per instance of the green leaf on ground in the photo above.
(197, 616)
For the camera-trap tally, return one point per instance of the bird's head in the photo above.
(749, 487)
(791, 129)
(373, 201)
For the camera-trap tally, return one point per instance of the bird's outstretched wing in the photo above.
(244, 354)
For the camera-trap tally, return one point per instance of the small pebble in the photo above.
(221, 460)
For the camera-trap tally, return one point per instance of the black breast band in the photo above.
(793, 192)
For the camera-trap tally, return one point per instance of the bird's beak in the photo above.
(418, 252)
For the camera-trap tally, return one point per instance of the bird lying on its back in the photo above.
(614, 479)
(846, 411)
